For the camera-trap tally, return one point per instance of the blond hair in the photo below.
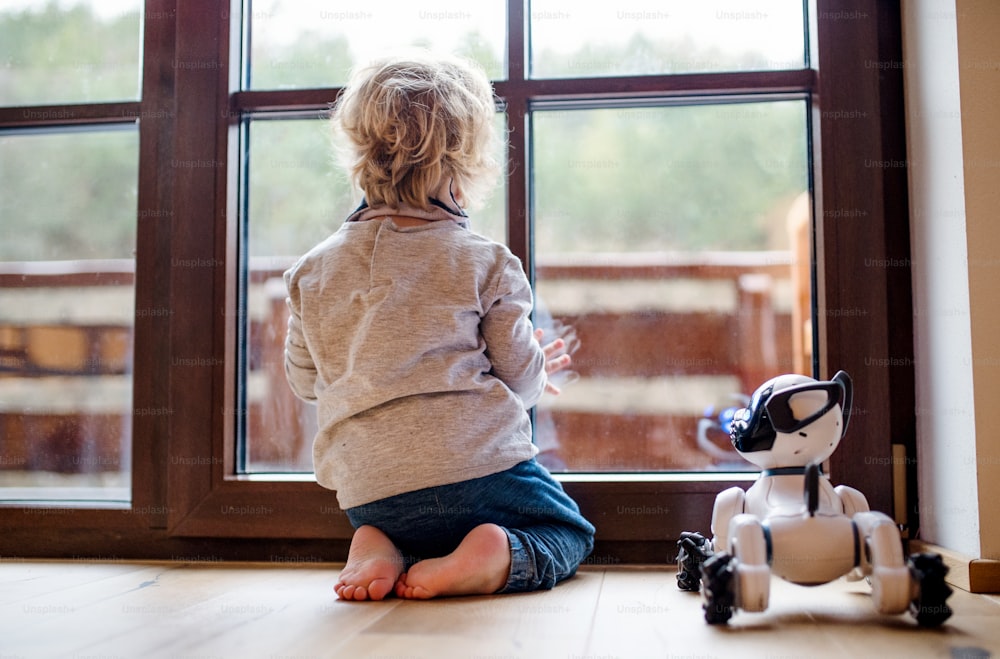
(405, 125)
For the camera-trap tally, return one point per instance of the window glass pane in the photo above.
(665, 243)
(313, 43)
(294, 200)
(641, 37)
(68, 203)
(297, 196)
(69, 52)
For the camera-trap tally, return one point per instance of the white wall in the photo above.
(946, 448)
(955, 244)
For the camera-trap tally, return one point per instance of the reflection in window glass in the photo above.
(665, 244)
(69, 52)
(314, 43)
(643, 37)
(297, 196)
(68, 203)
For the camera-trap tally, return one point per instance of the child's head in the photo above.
(411, 125)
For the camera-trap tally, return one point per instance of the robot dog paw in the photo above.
(718, 573)
(929, 607)
(693, 549)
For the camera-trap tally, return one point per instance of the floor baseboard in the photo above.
(976, 575)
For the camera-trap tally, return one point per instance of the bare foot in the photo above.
(478, 566)
(373, 566)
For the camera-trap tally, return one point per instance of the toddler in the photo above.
(412, 335)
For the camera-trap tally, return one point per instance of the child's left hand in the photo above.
(555, 359)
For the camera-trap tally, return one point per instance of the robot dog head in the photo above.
(793, 420)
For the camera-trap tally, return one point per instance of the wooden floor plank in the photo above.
(208, 604)
(32, 579)
(551, 623)
(641, 613)
(191, 610)
(838, 620)
(299, 611)
(185, 611)
(60, 622)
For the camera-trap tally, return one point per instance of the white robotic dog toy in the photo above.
(794, 524)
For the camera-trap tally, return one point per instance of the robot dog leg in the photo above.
(917, 585)
(739, 578)
(693, 549)
(881, 561)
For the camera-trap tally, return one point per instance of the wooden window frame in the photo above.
(189, 503)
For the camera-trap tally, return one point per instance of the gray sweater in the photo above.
(417, 347)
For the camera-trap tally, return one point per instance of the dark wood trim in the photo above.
(975, 575)
(518, 40)
(653, 510)
(297, 100)
(519, 228)
(637, 87)
(227, 281)
(199, 164)
(51, 116)
(243, 508)
(862, 229)
(899, 300)
(518, 126)
(244, 520)
(156, 219)
(77, 537)
(633, 87)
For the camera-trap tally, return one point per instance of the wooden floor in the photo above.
(84, 610)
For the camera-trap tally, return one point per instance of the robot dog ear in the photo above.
(847, 400)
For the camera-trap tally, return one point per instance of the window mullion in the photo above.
(518, 156)
(199, 259)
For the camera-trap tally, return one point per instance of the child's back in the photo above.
(398, 321)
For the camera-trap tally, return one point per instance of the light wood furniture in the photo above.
(207, 609)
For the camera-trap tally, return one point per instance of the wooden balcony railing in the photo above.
(660, 339)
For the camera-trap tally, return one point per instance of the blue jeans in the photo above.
(548, 536)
